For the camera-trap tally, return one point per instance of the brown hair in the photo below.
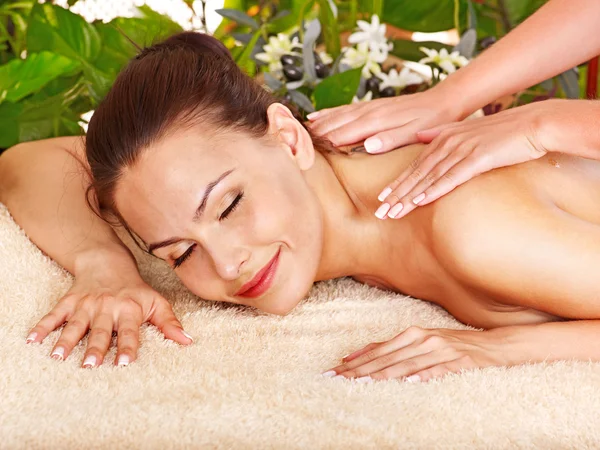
(187, 80)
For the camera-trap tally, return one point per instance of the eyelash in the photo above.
(234, 204)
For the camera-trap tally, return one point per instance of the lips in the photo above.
(262, 281)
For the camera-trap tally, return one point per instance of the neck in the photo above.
(355, 242)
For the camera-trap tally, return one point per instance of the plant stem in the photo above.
(504, 16)
(378, 7)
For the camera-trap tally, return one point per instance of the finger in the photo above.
(331, 120)
(73, 332)
(99, 340)
(439, 370)
(54, 319)
(322, 113)
(394, 137)
(128, 337)
(428, 135)
(360, 352)
(412, 335)
(164, 319)
(441, 175)
(459, 174)
(411, 366)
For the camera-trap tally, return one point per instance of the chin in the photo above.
(287, 295)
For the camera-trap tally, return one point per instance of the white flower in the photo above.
(362, 55)
(325, 57)
(372, 33)
(400, 80)
(277, 47)
(366, 98)
(447, 61)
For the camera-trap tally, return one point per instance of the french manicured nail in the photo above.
(366, 379)
(187, 335)
(58, 353)
(413, 379)
(339, 376)
(382, 210)
(419, 198)
(329, 373)
(312, 115)
(90, 361)
(345, 356)
(395, 210)
(31, 337)
(372, 145)
(384, 194)
(123, 360)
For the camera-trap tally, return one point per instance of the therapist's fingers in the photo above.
(426, 136)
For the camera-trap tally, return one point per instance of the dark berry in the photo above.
(487, 42)
(388, 92)
(373, 85)
(322, 70)
(290, 60)
(293, 73)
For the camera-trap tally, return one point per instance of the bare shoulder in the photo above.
(512, 242)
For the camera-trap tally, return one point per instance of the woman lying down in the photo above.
(215, 177)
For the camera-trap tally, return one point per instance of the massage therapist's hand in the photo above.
(422, 354)
(460, 151)
(388, 123)
(107, 296)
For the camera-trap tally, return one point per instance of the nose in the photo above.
(228, 259)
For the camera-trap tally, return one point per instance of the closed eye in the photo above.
(233, 206)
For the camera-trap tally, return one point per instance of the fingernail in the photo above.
(345, 356)
(90, 361)
(339, 376)
(384, 194)
(373, 144)
(366, 379)
(187, 335)
(329, 373)
(123, 360)
(395, 210)
(382, 210)
(58, 353)
(31, 337)
(413, 379)
(312, 115)
(419, 198)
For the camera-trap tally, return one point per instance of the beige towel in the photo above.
(252, 380)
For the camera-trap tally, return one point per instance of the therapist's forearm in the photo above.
(570, 126)
(559, 36)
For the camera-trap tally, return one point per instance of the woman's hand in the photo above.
(106, 297)
(460, 151)
(388, 123)
(422, 354)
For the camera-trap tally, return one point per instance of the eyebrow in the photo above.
(197, 214)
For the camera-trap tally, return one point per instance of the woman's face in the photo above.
(232, 214)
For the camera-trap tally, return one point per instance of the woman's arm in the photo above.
(43, 186)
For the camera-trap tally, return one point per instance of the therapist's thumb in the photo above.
(391, 139)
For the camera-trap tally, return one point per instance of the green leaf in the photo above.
(331, 34)
(423, 15)
(58, 30)
(20, 78)
(244, 60)
(337, 89)
(39, 117)
(519, 10)
(238, 16)
(409, 50)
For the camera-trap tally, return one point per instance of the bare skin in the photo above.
(514, 250)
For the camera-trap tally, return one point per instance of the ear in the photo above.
(290, 133)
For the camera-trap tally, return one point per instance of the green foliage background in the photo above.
(55, 66)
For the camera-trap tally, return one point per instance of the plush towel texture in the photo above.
(252, 380)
